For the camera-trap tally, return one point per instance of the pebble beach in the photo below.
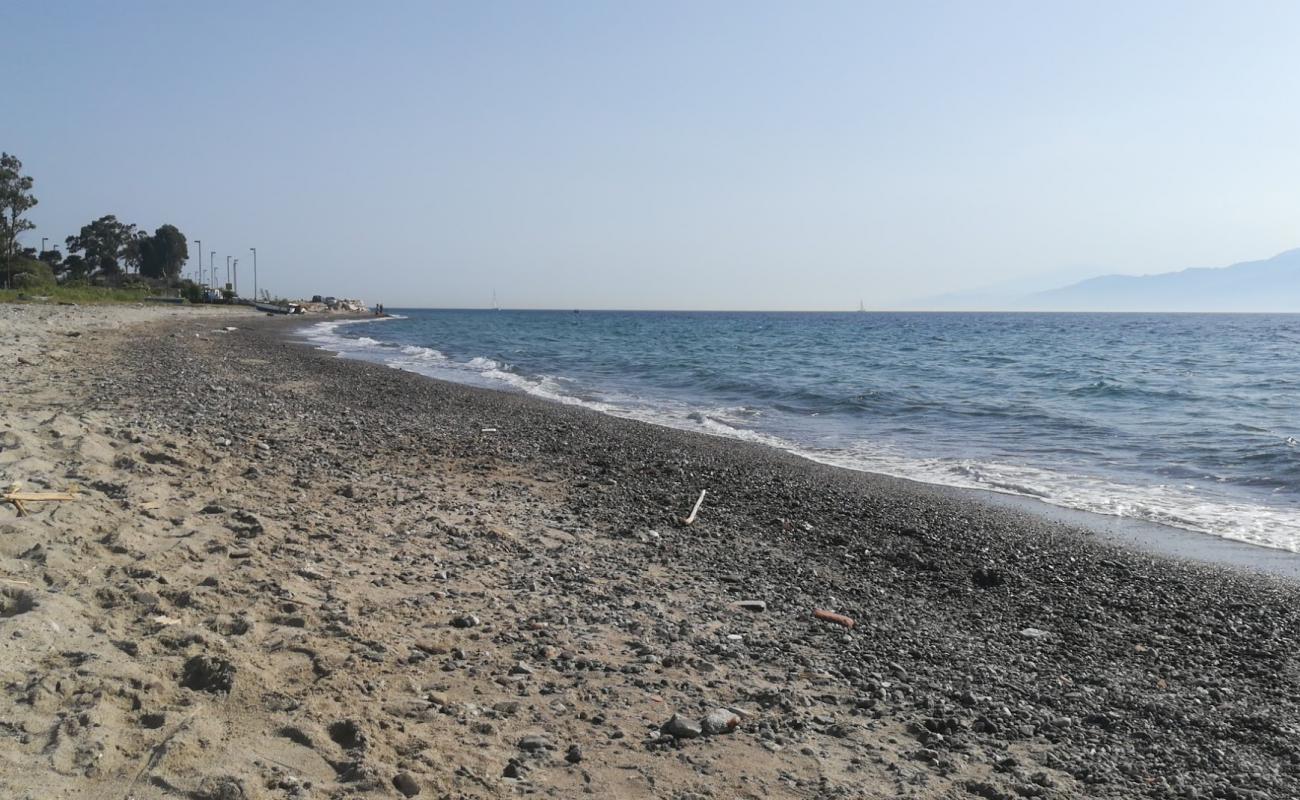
(289, 575)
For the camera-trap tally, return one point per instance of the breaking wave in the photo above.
(1017, 426)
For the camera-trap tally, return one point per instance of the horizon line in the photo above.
(830, 311)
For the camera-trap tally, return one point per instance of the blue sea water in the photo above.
(1184, 419)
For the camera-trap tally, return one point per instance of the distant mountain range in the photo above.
(1272, 284)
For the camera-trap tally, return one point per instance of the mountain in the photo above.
(1269, 285)
(1007, 295)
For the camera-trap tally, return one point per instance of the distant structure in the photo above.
(319, 304)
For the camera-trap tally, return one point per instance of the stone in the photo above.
(680, 727)
(574, 754)
(221, 788)
(1033, 633)
(532, 744)
(311, 573)
(465, 621)
(437, 698)
(719, 721)
(752, 605)
(406, 783)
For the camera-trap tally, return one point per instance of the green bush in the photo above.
(191, 291)
(31, 274)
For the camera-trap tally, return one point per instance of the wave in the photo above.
(1105, 388)
(423, 353)
(1165, 503)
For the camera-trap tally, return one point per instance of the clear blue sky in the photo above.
(663, 154)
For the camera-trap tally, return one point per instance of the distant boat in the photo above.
(495, 305)
(861, 308)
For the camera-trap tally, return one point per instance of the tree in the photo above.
(104, 242)
(133, 251)
(52, 257)
(75, 268)
(15, 201)
(162, 254)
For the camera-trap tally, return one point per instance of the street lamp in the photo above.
(236, 274)
(212, 265)
(255, 294)
(199, 242)
(227, 270)
(43, 240)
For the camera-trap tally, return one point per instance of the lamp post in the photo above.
(235, 273)
(43, 240)
(227, 270)
(255, 294)
(199, 243)
(212, 265)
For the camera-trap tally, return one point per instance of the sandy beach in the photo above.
(288, 575)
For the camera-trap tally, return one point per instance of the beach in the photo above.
(286, 574)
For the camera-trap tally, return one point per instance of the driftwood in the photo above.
(18, 498)
(694, 511)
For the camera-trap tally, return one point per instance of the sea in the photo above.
(1188, 420)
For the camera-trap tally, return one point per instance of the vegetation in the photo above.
(104, 243)
(79, 293)
(162, 254)
(29, 273)
(108, 260)
(16, 200)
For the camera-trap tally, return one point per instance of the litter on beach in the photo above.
(19, 498)
(830, 616)
(695, 511)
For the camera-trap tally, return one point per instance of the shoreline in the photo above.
(1157, 539)
(294, 575)
(1146, 536)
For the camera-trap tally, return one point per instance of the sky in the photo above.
(718, 155)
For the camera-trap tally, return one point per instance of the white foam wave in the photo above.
(423, 353)
(1177, 506)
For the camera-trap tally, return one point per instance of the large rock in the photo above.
(680, 727)
(533, 744)
(719, 721)
(406, 783)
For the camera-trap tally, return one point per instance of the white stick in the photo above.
(689, 520)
